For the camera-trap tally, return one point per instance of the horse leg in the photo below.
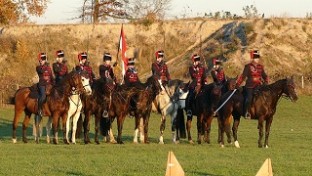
(86, 127)
(142, 129)
(260, 128)
(200, 123)
(208, 128)
(37, 127)
(234, 130)
(48, 128)
(75, 120)
(162, 129)
(188, 128)
(96, 128)
(65, 123)
(267, 131)
(79, 126)
(174, 126)
(55, 123)
(120, 121)
(17, 114)
(145, 124)
(25, 125)
(136, 129)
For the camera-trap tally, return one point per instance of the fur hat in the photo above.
(159, 53)
(42, 56)
(60, 53)
(131, 61)
(107, 56)
(254, 54)
(195, 57)
(82, 55)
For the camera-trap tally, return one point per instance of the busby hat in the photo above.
(216, 61)
(254, 54)
(159, 53)
(107, 56)
(131, 61)
(195, 57)
(60, 53)
(42, 56)
(82, 55)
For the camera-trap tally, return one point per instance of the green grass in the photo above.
(290, 150)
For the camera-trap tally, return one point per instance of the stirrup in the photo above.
(189, 113)
(247, 115)
(105, 114)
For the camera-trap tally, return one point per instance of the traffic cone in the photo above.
(173, 166)
(266, 168)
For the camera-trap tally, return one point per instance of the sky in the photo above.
(63, 11)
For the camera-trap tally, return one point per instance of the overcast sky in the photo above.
(62, 11)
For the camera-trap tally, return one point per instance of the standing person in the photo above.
(131, 77)
(44, 72)
(84, 65)
(256, 76)
(217, 72)
(198, 76)
(160, 69)
(108, 77)
(59, 67)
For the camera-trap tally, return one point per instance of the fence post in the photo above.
(302, 82)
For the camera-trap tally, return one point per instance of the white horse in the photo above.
(167, 103)
(75, 106)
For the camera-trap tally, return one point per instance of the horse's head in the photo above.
(230, 84)
(86, 82)
(289, 90)
(74, 83)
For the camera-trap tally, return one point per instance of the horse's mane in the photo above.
(273, 86)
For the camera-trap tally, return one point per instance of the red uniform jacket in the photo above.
(107, 74)
(161, 71)
(60, 69)
(45, 74)
(255, 76)
(198, 75)
(131, 76)
(218, 76)
(86, 67)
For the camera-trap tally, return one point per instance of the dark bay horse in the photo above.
(56, 105)
(205, 104)
(263, 108)
(141, 106)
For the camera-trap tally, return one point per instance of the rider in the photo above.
(84, 65)
(107, 75)
(256, 76)
(198, 75)
(44, 72)
(131, 77)
(160, 69)
(59, 67)
(217, 72)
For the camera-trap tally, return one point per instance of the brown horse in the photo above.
(205, 104)
(263, 108)
(56, 105)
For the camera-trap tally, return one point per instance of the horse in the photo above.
(263, 108)
(56, 105)
(75, 106)
(205, 103)
(168, 103)
(141, 105)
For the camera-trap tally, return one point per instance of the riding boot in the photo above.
(246, 110)
(40, 103)
(247, 104)
(189, 101)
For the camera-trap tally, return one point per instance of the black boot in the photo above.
(246, 110)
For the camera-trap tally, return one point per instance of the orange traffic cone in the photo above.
(173, 166)
(266, 168)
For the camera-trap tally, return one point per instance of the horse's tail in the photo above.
(105, 124)
(180, 123)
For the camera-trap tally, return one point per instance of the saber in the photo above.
(225, 101)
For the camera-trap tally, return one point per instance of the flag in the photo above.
(123, 49)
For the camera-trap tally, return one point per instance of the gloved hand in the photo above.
(236, 86)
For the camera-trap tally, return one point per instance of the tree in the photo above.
(250, 11)
(102, 10)
(14, 11)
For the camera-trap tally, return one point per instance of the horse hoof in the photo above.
(97, 142)
(266, 146)
(120, 142)
(25, 141)
(191, 141)
(222, 146)
(14, 141)
(177, 142)
(236, 144)
(55, 141)
(146, 142)
(161, 142)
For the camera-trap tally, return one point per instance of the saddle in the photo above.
(34, 91)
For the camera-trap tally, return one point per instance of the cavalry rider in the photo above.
(217, 72)
(44, 72)
(84, 65)
(256, 76)
(59, 67)
(131, 76)
(198, 75)
(107, 75)
(160, 69)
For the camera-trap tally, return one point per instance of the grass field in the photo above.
(290, 150)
